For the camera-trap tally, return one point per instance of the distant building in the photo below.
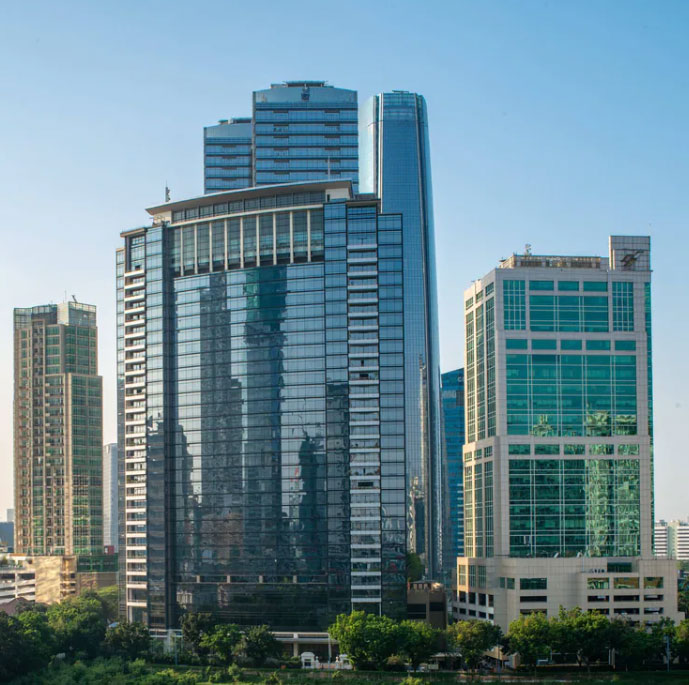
(7, 535)
(299, 131)
(453, 423)
(10, 515)
(427, 601)
(558, 458)
(58, 416)
(672, 539)
(110, 496)
(661, 539)
(17, 580)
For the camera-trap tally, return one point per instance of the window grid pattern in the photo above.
(514, 303)
(569, 507)
(622, 306)
(569, 395)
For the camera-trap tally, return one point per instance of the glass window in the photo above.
(570, 344)
(533, 583)
(541, 285)
(519, 449)
(543, 344)
(596, 286)
(568, 285)
(514, 305)
(598, 345)
(625, 345)
(622, 306)
(655, 582)
(628, 583)
(516, 343)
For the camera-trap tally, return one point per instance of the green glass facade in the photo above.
(554, 395)
(574, 506)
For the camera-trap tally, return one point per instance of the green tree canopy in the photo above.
(472, 639)
(529, 636)
(582, 633)
(259, 644)
(194, 626)
(79, 624)
(417, 641)
(130, 640)
(368, 640)
(222, 641)
(415, 568)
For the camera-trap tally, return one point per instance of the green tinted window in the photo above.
(625, 345)
(598, 345)
(596, 286)
(541, 285)
(543, 344)
(570, 344)
(547, 449)
(516, 344)
(575, 449)
(514, 294)
(519, 449)
(568, 285)
(622, 306)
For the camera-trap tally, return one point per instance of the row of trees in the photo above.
(590, 637)
(378, 642)
(83, 628)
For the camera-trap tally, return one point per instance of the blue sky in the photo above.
(552, 123)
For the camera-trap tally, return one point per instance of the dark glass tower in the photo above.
(395, 165)
(261, 408)
(453, 425)
(299, 131)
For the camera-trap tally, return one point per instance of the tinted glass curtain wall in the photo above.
(394, 161)
(269, 478)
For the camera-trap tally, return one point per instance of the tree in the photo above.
(473, 639)
(79, 624)
(259, 644)
(38, 636)
(415, 568)
(680, 643)
(222, 641)
(418, 642)
(194, 626)
(368, 640)
(13, 647)
(130, 640)
(582, 633)
(529, 636)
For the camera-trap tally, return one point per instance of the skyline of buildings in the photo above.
(558, 458)
(58, 421)
(279, 394)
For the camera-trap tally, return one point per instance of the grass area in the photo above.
(118, 672)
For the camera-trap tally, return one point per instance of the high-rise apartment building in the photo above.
(261, 408)
(453, 432)
(394, 162)
(558, 461)
(110, 496)
(660, 539)
(672, 539)
(57, 431)
(298, 131)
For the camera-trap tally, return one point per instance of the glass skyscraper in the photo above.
(227, 155)
(395, 165)
(58, 423)
(453, 432)
(558, 459)
(299, 131)
(261, 408)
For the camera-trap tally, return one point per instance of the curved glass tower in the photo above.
(394, 163)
